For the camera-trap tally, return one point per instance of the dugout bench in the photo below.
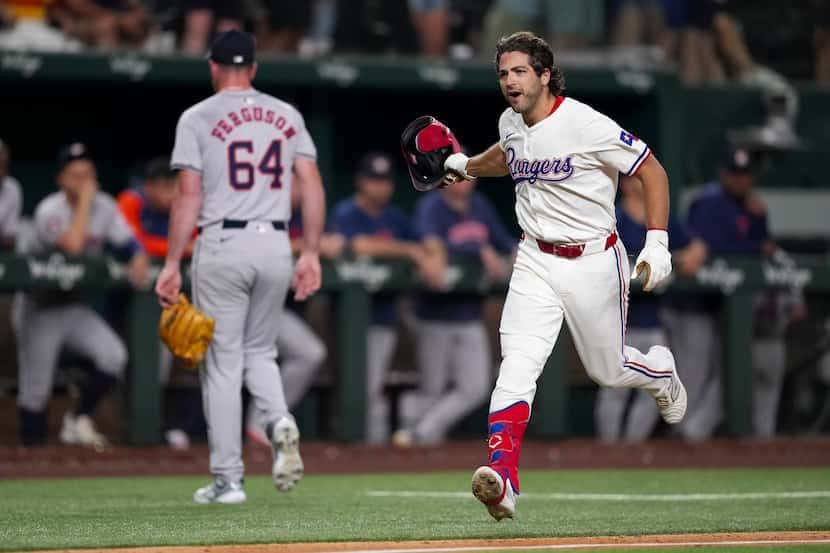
(352, 281)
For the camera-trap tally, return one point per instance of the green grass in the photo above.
(44, 514)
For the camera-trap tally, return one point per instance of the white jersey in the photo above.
(54, 214)
(243, 143)
(11, 202)
(566, 168)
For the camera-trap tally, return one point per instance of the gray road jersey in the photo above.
(11, 202)
(54, 214)
(243, 143)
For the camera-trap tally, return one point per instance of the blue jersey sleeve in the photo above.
(428, 219)
(344, 221)
(678, 237)
(403, 227)
(500, 238)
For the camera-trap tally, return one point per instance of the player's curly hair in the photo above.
(540, 54)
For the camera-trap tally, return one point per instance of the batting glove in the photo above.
(655, 259)
(457, 163)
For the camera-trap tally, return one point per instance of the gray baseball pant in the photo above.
(609, 411)
(240, 278)
(380, 347)
(456, 369)
(301, 354)
(41, 332)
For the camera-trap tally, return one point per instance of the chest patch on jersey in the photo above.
(531, 170)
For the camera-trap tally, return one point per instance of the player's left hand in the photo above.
(307, 276)
(138, 270)
(169, 284)
(655, 259)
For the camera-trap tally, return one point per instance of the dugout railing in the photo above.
(351, 283)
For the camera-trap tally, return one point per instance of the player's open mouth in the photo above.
(514, 95)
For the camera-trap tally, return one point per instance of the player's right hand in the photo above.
(654, 259)
(456, 163)
(169, 284)
(87, 190)
(307, 276)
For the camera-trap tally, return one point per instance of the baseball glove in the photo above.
(186, 331)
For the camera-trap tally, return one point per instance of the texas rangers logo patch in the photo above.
(628, 138)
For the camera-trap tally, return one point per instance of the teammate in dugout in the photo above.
(565, 159)
(11, 202)
(236, 152)
(622, 413)
(374, 227)
(454, 358)
(730, 218)
(77, 220)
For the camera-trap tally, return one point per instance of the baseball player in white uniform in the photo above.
(565, 159)
(11, 202)
(77, 220)
(236, 152)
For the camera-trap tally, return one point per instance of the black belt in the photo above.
(237, 223)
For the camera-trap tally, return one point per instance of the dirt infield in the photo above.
(684, 541)
(329, 458)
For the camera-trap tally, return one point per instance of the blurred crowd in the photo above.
(711, 41)
(452, 345)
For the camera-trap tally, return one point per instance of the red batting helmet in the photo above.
(426, 143)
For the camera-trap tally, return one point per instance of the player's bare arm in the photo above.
(656, 192)
(489, 163)
(654, 260)
(307, 273)
(186, 208)
(73, 239)
(433, 262)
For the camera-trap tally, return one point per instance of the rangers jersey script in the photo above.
(565, 168)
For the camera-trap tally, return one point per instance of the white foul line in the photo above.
(614, 496)
(622, 545)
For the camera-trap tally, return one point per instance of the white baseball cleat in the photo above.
(221, 491)
(285, 445)
(672, 400)
(496, 494)
(81, 430)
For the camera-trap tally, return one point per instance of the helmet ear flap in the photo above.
(426, 143)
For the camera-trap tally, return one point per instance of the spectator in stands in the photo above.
(431, 21)
(300, 351)
(372, 226)
(631, 415)
(283, 24)
(103, 23)
(731, 219)
(204, 17)
(454, 361)
(24, 26)
(567, 24)
(79, 219)
(11, 202)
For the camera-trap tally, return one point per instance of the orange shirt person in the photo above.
(147, 207)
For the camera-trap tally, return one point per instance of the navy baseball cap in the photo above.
(375, 165)
(738, 160)
(71, 152)
(233, 48)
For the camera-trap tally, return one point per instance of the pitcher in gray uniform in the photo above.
(236, 153)
(77, 220)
